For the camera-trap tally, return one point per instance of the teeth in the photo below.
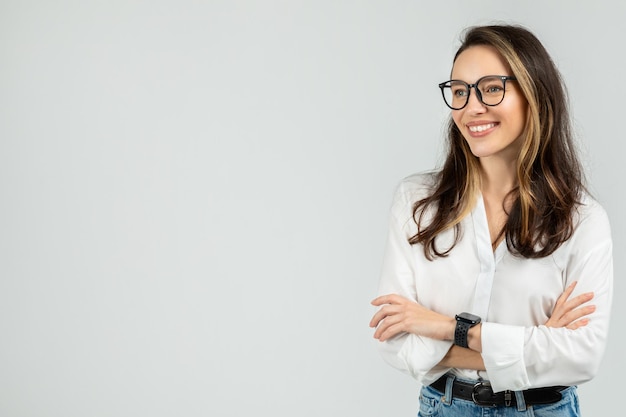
(481, 127)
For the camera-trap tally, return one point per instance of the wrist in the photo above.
(450, 327)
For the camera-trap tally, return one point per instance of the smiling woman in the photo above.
(492, 261)
(489, 128)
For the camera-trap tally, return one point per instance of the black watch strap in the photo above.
(464, 322)
(460, 333)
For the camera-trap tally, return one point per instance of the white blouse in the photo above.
(514, 296)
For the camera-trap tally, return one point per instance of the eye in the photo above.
(459, 91)
(492, 88)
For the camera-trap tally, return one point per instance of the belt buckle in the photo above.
(475, 393)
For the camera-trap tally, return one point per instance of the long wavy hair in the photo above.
(549, 175)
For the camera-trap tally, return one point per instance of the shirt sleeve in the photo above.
(410, 353)
(518, 357)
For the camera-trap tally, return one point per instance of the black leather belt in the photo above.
(482, 394)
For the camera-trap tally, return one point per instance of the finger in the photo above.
(387, 299)
(574, 315)
(573, 304)
(384, 299)
(578, 324)
(577, 301)
(565, 295)
(391, 331)
(561, 308)
(571, 316)
(385, 325)
(384, 312)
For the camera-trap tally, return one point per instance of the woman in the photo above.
(491, 261)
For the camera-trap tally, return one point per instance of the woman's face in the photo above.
(490, 132)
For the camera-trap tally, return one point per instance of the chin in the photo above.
(481, 151)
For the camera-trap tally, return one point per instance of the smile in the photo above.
(481, 128)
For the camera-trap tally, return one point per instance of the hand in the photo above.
(399, 314)
(566, 312)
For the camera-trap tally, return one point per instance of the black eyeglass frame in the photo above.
(504, 79)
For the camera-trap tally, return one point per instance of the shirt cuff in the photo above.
(417, 356)
(503, 355)
(422, 355)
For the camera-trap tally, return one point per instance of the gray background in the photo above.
(194, 194)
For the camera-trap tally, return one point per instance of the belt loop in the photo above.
(521, 402)
(447, 397)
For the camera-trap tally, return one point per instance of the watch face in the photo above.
(469, 318)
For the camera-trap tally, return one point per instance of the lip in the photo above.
(488, 125)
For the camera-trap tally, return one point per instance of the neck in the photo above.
(498, 177)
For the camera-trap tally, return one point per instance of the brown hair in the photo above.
(549, 174)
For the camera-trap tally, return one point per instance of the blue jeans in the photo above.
(432, 404)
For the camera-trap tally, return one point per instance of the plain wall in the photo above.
(194, 194)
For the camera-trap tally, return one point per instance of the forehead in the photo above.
(478, 61)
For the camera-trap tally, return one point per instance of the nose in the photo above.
(474, 104)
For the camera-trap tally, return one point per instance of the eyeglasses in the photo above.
(489, 89)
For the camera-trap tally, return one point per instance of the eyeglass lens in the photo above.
(490, 91)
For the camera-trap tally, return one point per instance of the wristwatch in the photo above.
(464, 322)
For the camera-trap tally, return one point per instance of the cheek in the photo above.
(517, 113)
(457, 117)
